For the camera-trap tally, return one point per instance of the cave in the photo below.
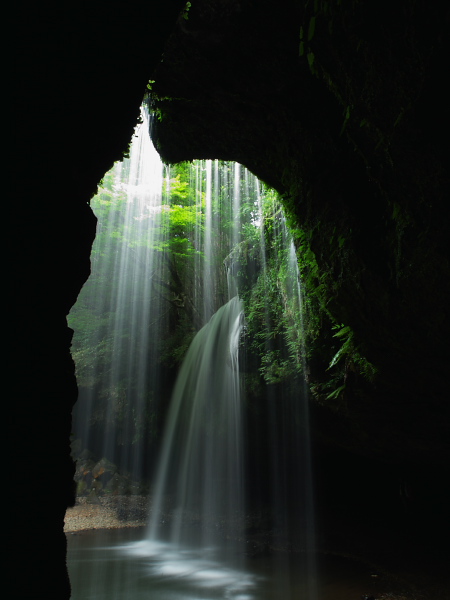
(342, 108)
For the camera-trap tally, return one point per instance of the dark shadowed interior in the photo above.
(342, 108)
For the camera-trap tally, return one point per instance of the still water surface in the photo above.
(120, 565)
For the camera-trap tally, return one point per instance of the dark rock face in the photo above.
(346, 119)
(349, 128)
(80, 76)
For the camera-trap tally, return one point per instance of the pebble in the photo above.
(103, 515)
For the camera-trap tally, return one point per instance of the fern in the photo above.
(336, 392)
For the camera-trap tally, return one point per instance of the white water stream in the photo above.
(195, 545)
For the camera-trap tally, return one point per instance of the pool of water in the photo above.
(121, 565)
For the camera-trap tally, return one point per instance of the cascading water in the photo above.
(117, 315)
(198, 497)
(202, 456)
(197, 521)
(299, 490)
(280, 461)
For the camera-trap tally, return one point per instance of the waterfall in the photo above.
(187, 254)
(282, 464)
(119, 312)
(200, 473)
(202, 455)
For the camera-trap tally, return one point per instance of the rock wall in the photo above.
(80, 73)
(341, 108)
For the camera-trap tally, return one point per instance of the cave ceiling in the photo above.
(340, 107)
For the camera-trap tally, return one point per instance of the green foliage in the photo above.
(311, 28)
(273, 307)
(347, 113)
(287, 336)
(347, 346)
(287, 325)
(185, 11)
(177, 243)
(347, 359)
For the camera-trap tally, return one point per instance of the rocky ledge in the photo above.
(106, 512)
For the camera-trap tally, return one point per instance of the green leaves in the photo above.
(185, 11)
(347, 113)
(311, 28)
(343, 330)
(347, 346)
(336, 393)
(350, 352)
(177, 189)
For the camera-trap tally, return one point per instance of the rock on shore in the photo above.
(106, 512)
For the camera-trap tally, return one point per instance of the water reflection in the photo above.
(197, 569)
(120, 565)
(103, 566)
